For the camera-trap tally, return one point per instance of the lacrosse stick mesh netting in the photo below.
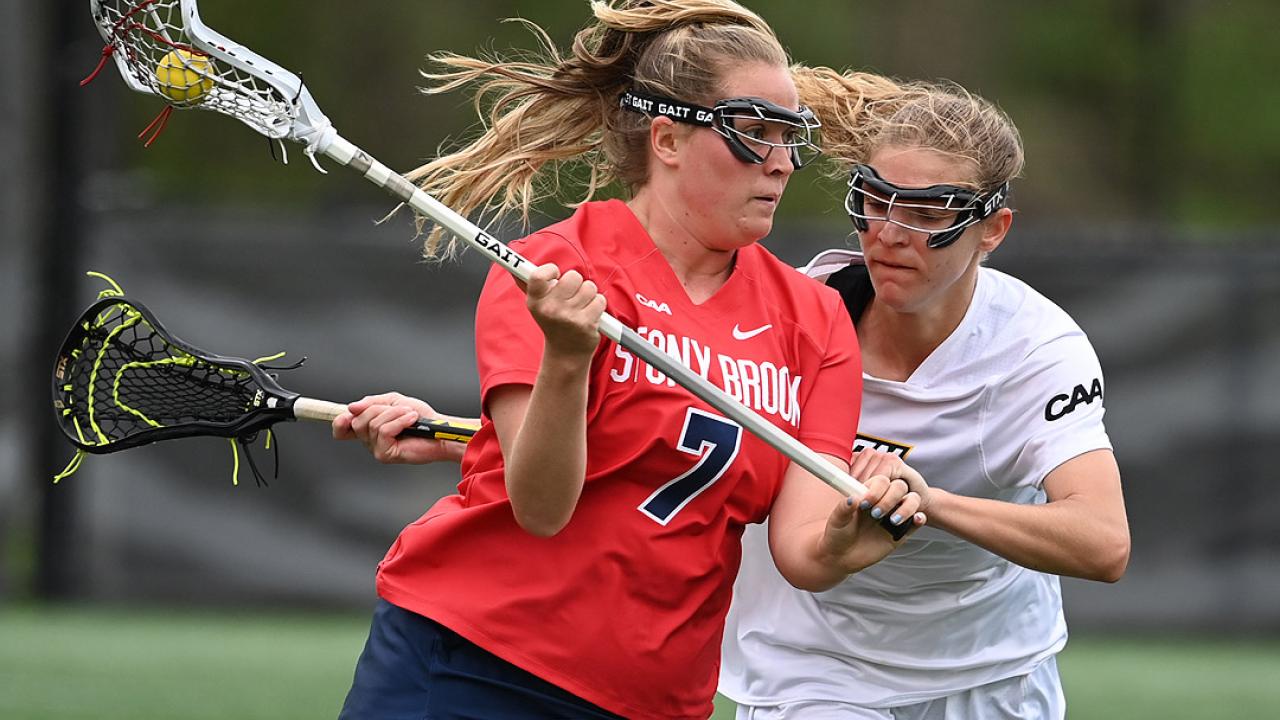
(143, 35)
(125, 377)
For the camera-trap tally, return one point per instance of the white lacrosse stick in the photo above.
(230, 79)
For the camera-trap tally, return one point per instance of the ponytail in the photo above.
(853, 107)
(555, 113)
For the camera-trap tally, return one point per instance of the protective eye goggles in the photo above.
(751, 127)
(942, 212)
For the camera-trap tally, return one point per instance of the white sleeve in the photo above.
(1045, 412)
(829, 261)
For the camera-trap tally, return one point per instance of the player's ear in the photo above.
(994, 229)
(666, 140)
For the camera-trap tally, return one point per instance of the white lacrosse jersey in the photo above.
(1014, 392)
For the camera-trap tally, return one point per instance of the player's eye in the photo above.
(930, 220)
(932, 215)
(873, 205)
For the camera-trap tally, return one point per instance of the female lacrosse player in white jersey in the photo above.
(988, 389)
(583, 569)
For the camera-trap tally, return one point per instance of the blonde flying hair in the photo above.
(556, 112)
(853, 108)
(941, 116)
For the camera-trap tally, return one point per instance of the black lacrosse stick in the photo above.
(121, 380)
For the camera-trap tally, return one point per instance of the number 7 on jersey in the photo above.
(715, 441)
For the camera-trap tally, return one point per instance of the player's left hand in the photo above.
(853, 538)
(869, 463)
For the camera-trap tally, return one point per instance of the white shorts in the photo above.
(1034, 696)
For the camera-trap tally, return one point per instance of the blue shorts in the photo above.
(414, 668)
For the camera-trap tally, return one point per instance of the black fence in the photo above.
(1186, 332)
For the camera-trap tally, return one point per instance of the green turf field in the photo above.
(112, 665)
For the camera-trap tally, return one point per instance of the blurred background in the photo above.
(147, 585)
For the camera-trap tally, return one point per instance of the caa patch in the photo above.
(874, 443)
(1060, 405)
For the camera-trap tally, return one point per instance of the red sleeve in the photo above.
(508, 341)
(829, 419)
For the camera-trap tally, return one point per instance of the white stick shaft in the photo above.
(344, 152)
(305, 408)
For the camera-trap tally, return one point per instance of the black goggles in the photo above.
(751, 127)
(943, 212)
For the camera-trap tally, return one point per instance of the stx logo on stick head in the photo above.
(1060, 405)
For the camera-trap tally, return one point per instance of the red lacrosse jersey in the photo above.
(625, 606)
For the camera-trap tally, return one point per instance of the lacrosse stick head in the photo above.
(141, 35)
(121, 380)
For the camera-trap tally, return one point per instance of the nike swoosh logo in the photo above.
(738, 334)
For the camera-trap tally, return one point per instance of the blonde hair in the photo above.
(945, 117)
(940, 116)
(555, 113)
(853, 108)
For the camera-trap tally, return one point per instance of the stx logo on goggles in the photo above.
(942, 212)
(995, 201)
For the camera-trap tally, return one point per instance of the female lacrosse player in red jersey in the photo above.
(584, 568)
(995, 395)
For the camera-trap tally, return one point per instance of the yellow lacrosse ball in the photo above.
(184, 77)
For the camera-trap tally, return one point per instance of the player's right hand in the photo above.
(377, 421)
(567, 308)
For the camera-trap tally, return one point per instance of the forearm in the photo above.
(454, 450)
(817, 537)
(1064, 537)
(547, 464)
(807, 562)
